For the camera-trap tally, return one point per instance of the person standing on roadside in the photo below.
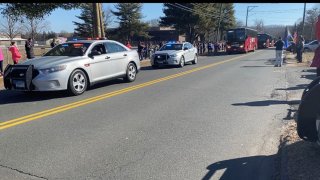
(140, 52)
(29, 48)
(300, 44)
(1, 62)
(14, 52)
(316, 58)
(53, 43)
(128, 45)
(279, 50)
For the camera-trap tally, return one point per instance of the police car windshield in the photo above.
(69, 49)
(171, 47)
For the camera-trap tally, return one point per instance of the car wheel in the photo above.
(78, 82)
(181, 63)
(131, 72)
(195, 60)
(308, 115)
(310, 86)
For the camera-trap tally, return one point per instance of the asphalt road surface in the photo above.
(219, 119)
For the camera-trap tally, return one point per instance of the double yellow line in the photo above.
(41, 114)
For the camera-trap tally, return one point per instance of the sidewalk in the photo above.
(299, 159)
(143, 63)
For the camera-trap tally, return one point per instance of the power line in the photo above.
(192, 10)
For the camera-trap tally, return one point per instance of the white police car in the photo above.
(176, 54)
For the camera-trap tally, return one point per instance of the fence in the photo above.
(38, 51)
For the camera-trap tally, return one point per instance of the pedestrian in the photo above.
(140, 50)
(14, 52)
(203, 47)
(53, 43)
(300, 45)
(128, 45)
(209, 47)
(279, 50)
(160, 44)
(1, 62)
(29, 48)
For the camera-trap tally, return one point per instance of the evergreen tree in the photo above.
(84, 28)
(198, 19)
(130, 24)
(185, 22)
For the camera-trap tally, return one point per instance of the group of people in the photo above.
(15, 53)
(280, 47)
(210, 47)
(145, 49)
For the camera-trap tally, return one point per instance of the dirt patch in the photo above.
(299, 158)
(292, 61)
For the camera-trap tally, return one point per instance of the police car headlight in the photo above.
(241, 46)
(173, 55)
(53, 69)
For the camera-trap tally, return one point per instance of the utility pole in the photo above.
(218, 30)
(101, 21)
(96, 21)
(248, 10)
(304, 13)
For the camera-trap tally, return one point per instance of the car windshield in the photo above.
(236, 35)
(69, 49)
(171, 47)
(262, 37)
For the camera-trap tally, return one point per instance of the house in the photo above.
(165, 34)
(5, 40)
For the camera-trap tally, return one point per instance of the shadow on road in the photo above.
(300, 86)
(267, 103)
(148, 68)
(254, 66)
(11, 97)
(309, 76)
(242, 168)
(309, 70)
(294, 160)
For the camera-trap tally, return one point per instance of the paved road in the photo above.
(218, 121)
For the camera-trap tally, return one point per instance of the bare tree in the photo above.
(108, 17)
(259, 25)
(10, 27)
(153, 22)
(311, 19)
(239, 23)
(35, 26)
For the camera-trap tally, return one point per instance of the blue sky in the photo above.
(270, 13)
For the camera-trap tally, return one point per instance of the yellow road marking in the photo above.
(38, 115)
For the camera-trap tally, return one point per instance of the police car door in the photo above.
(100, 66)
(118, 58)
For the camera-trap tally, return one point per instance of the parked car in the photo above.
(74, 66)
(176, 54)
(311, 46)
